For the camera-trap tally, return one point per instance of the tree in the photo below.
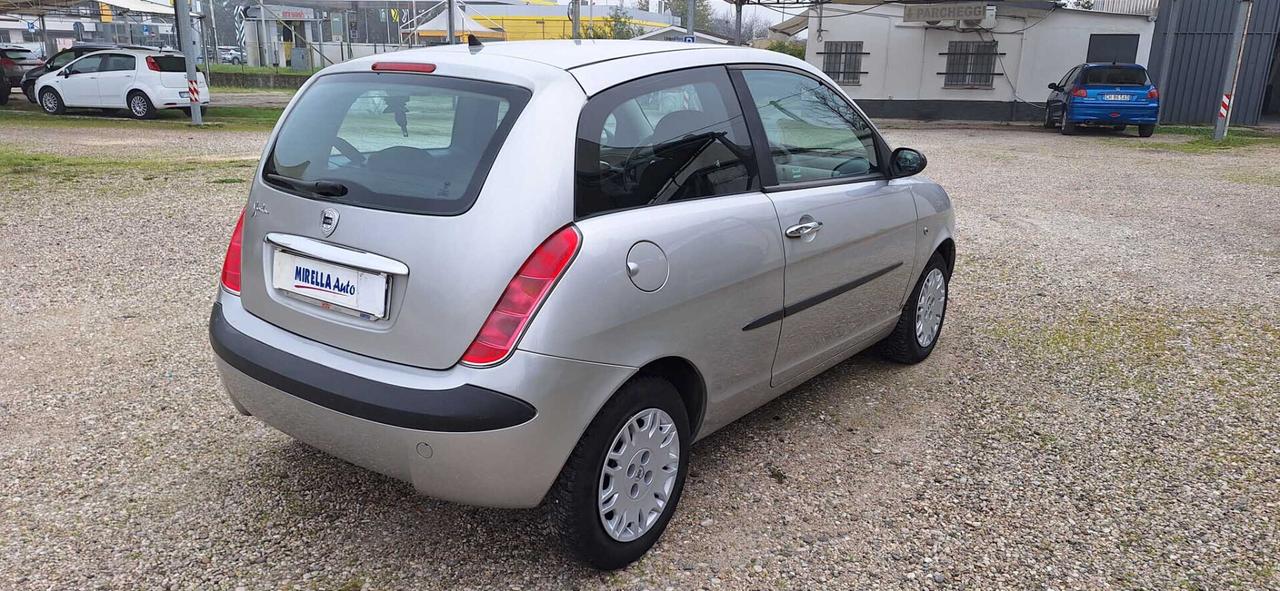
(754, 26)
(616, 26)
(791, 48)
(642, 5)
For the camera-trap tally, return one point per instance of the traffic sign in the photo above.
(690, 39)
(31, 27)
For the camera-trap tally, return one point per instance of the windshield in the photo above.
(1113, 76)
(402, 142)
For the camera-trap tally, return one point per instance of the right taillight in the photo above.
(520, 300)
(152, 65)
(1153, 94)
(231, 262)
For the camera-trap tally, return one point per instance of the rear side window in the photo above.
(668, 137)
(117, 63)
(401, 142)
(1109, 76)
(170, 63)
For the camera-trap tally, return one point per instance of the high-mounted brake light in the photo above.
(1079, 92)
(524, 293)
(1153, 93)
(231, 262)
(403, 67)
(152, 65)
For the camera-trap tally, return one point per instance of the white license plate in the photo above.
(328, 284)
(1116, 97)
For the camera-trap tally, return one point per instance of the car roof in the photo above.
(1112, 65)
(564, 54)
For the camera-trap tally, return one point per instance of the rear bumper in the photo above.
(492, 437)
(168, 98)
(1113, 114)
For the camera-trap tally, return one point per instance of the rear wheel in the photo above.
(51, 102)
(4, 95)
(140, 106)
(1146, 130)
(1069, 127)
(621, 484)
(920, 325)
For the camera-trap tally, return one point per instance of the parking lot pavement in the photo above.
(1103, 410)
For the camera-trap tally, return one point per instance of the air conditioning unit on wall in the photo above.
(988, 21)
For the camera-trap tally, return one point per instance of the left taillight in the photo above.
(231, 262)
(1079, 92)
(520, 300)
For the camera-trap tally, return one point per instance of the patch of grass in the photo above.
(226, 181)
(20, 112)
(1266, 179)
(1207, 132)
(264, 70)
(16, 165)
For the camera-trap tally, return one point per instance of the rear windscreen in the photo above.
(171, 63)
(402, 142)
(16, 54)
(1115, 76)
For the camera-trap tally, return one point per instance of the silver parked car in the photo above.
(537, 272)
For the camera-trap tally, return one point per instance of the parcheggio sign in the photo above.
(966, 11)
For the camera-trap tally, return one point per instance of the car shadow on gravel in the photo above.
(286, 486)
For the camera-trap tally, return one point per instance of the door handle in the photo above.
(805, 229)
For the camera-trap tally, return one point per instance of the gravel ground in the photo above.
(1103, 410)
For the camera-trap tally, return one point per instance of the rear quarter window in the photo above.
(401, 142)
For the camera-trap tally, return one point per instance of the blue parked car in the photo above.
(1104, 95)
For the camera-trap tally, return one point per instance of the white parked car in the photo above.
(140, 81)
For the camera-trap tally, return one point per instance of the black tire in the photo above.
(139, 105)
(4, 95)
(1146, 130)
(29, 91)
(187, 111)
(51, 102)
(572, 501)
(1069, 127)
(902, 345)
(1048, 118)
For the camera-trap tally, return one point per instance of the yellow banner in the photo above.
(104, 12)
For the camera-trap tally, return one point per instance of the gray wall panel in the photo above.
(1202, 51)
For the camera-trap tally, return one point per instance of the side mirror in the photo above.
(65, 72)
(907, 162)
(1053, 86)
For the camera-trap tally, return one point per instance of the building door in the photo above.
(1121, 49)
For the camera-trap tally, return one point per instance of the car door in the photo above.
(1057, 96)
(849, 233)
(80, 87)
(115, 77)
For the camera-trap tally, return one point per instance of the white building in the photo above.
(987, 67)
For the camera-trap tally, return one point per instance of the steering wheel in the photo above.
(346, 149)
(853, 166)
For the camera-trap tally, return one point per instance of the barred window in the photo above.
(970, 64)
(842, 61)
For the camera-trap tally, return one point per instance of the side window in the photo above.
(87, 65)
(61, 59)
(814, 134)
(667, 137)
(1069, 77)
(118, 63)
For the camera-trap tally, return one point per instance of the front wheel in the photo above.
(1146, 130)
(51, 102)
(1048, 118)
(920, 325)
(621, 484)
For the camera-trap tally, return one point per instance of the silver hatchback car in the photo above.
(537, 272)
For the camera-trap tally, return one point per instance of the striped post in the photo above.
(1224, 108)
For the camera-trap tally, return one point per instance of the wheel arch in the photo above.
(688, 382)
(947, 248)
